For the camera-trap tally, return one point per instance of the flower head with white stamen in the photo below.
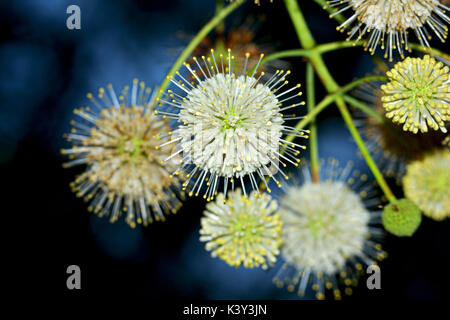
(242, 230)
(329, 236)
(119, 141)
(387, 22)
(418, 94)
(231, 126)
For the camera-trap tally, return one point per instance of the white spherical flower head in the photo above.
(327, 233)
(418, 94)
(236, 136)
(389, 21)
(231, 126)
(328, 227)
(120, 145)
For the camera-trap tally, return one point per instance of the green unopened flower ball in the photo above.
(401, 218)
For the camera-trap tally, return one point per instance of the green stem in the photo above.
(196, 40)
(220, 29)
(331, 46)
(431, 51)
(363, 107)
(286, 54)
(365, 153)
(327, 101)
(307, 41)
(360, 81)
(303, 33)
(323, 48)
(311, 102)
(312, 115)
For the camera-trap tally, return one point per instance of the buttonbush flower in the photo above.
(231, 126)
(391, 147)
(242, 230)
(427, 184)
(418, 94)
(388, 22)
(117, 138)
(327, 231)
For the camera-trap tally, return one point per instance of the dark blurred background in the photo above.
(46, 71)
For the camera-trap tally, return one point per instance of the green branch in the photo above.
(220, 28)
(330, 98)
(286, 54)
(323, 48)
(307, 41)
(222, 14)
(312, 115)
(300, 25)
(363, 107)
(431, 51)
(310, 102)
(362, 147)
(331, 46)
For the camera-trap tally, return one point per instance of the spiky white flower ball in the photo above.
(232, 131)
(427, 184)
(330, 225)
(389, 21)
(418, 94)
(326, 227)
(118, 139)
(231, 126)
(242, 230)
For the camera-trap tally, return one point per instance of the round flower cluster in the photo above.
(242, 230)
(427, 184)
(231, 126)
(388, 22)
(418, 94)
(117, 138)
(390, 146)
(329, 235)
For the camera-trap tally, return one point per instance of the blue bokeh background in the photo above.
(46, 71)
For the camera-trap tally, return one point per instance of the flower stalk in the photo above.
(307, 41)
(330, 99)
(214, 22)
(311, 102)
